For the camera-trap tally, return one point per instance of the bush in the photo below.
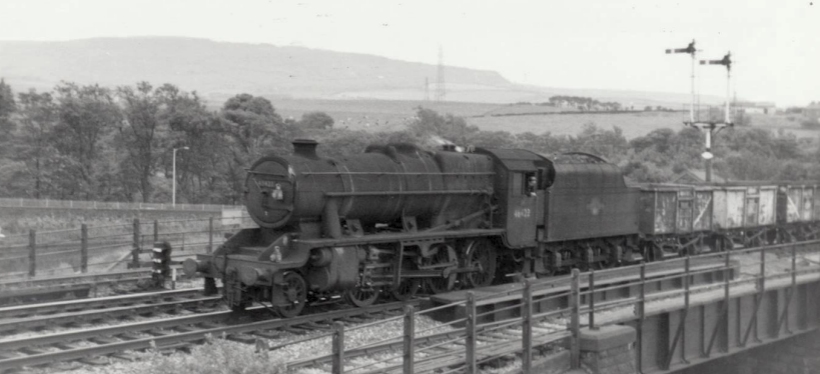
(810, 124)
(218, 356)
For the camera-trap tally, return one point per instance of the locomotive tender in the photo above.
(396, 218)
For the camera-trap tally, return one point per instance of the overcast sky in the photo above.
(604, 44)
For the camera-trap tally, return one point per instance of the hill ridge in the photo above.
(220, 69)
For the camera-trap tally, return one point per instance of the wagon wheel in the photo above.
(445, 257)
(294, 295)
(602, 249)
(361, 296)
(480, 255)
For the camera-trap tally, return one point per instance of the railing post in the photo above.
(526, 329)
(575, 320)
(210, 234)
(470, 331)
(762, 281)
(641, 316)
(135, 253)
(726, 297)
(793, 291)
(794, 265)
(409, 339)
(32, 253)
(156, 231)
(84, 248)
(338, 348)
(592, 300)
(685, 312)
(686, 283)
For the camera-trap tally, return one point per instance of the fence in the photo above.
(111, 205)
(553, 312)
(102, 248)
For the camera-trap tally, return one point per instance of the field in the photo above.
(384, 115)
(377, 115)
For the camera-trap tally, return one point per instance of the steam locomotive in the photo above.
(396, 219)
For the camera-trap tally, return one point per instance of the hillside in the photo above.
(219, 70)
(215, 68)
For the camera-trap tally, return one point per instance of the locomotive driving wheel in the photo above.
(444, 257)
(294, 295)
(406, 289)
(480, 256)
(361, 296)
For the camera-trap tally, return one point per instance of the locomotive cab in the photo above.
(522, 178)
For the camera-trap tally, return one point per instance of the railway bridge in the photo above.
(747, 311)
(744, 311)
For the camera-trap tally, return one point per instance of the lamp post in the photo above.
(174, 176)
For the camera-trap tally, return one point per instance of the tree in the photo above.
(316, 121)
(203, 169)
(7, 107)
(610, 144)
(252, 128)
(429, 124)
(143, 131)
(740, 118)
(33, 146)
(86, 115)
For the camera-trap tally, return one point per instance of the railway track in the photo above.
(172, 333)
(33, 316)
(33, 290)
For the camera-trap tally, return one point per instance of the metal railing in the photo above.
(463, 343)
(104, 248)
(111, 205)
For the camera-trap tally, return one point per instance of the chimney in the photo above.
(305, 148)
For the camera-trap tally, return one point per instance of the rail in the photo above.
(586, 300)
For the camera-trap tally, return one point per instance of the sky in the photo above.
(602, 44)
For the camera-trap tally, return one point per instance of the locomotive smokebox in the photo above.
(305, 148)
